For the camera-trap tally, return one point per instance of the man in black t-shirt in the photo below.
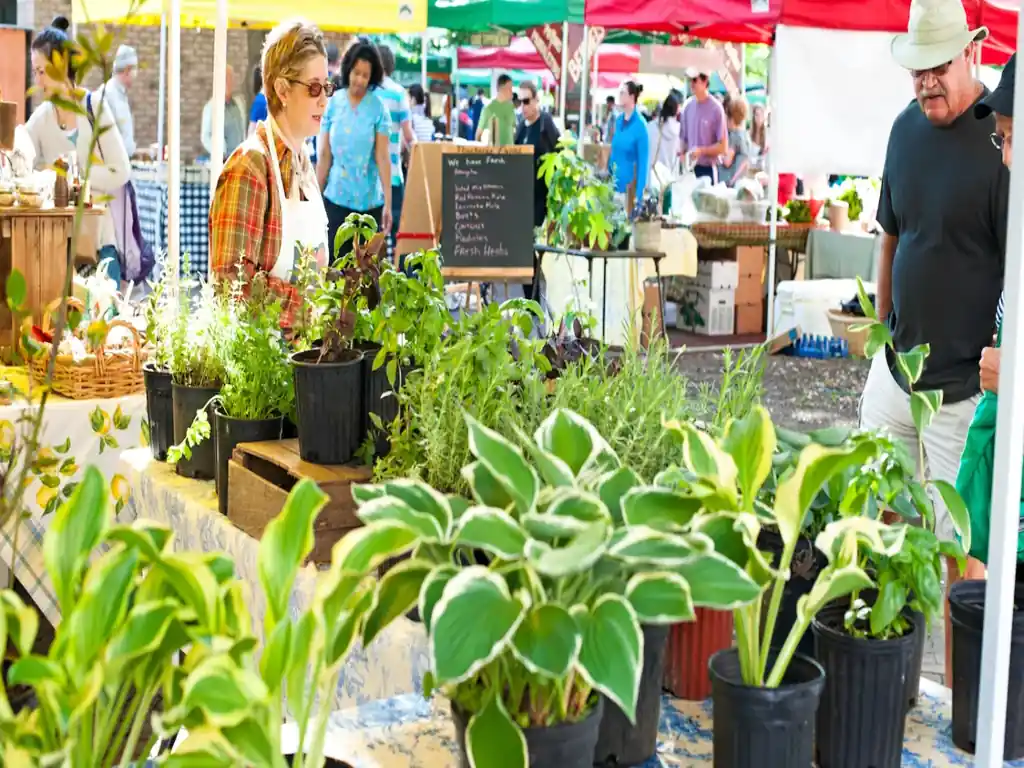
(943, 213)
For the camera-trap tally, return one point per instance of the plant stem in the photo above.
(773, 613)
(141, 715)
(316, 757)
(786, 654)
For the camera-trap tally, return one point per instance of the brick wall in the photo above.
(244, 48)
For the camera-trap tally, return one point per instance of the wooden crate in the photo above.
(260, 476)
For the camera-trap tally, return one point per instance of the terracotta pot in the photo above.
(690, 648)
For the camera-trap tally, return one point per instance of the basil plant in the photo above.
(534, 593)
(719, 485)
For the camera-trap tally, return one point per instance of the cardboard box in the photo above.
(717, 275)
(708, 312)
(751, 259)
(749, 318)
(750, 290)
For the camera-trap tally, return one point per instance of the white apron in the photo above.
(303, 222)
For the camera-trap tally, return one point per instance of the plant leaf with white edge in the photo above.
(492, 530)
(659, 508)
(958, 513)
(831, 584)
(613, 486)
(471, 624)
(585, 549)
(815, 466)
(580, 505)
(717, 582)
(553, 470)
(660, 598)
(549, 528)
(506, 464)
(866, 305)
(879, 337)
(548, 641)
(493, 740)
(703, 457)
(486, 490)
(396, 593)
(365, 492)
(751, 443)
(432, 590)
(880, 538)
(569, 437)
(392, 509)
(365, 548)
(646, 546)
(911, 364)
(346, 628)
(612, 650)
(424, 499)
(923, 407)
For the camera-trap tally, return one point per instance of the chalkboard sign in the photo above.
(487, 208)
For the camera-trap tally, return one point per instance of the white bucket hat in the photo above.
(936, 33)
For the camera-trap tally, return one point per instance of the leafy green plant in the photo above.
(412, 315)
(194, 354)
(582, 211)
(339, 300)
(723, 479)
(159, 310)
(533, 595)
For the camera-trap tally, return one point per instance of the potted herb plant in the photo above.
(535, 594)
(753, 682)
(258, 391)
(647, 224)
(156, 372)
(197, 373)
(329, 402)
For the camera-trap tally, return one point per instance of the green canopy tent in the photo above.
(510, 15)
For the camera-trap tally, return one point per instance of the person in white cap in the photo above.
(943, 214)
(115, 93)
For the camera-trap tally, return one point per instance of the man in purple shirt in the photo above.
(703, 134)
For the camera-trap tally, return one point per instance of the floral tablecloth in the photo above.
(396, 661)
(408, 732)
(75, 433)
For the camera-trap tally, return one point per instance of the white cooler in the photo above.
(805, 303)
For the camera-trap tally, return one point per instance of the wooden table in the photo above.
(35, 242)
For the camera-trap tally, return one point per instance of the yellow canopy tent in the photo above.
(378, 16)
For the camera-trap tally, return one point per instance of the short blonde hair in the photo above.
(286, 51)
(737, 110)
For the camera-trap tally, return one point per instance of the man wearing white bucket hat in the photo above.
(943, 213)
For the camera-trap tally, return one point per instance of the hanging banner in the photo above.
(547, 39)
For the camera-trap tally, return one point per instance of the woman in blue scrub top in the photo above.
(630, 145)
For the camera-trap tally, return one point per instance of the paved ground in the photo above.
(810, 394)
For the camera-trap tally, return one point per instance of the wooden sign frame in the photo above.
(485, 274)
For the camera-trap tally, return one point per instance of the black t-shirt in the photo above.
(944, 195)
(543, 135)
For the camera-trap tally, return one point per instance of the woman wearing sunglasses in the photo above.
(267, 210)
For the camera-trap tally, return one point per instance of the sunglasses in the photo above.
(314, 89)
(938, 71)
(526, 101)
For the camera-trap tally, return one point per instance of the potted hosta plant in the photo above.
(329, 376)
(257, 392)
(535, 595)
(724, 478)
(197, 373)
(647, 224)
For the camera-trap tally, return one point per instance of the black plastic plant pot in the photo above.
(329, 406)
(187, 401)
(619, 743)
(967, 612)
(807, 563)
(863, 711)
(159, 410)
(229, 433)
(913, 687)
(379, 398)
(569, 745)
(764, 727)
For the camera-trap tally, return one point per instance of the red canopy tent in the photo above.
(736, 21)
(522, 54)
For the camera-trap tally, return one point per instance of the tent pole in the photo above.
(161, 104)
(174, 144)
(453, 107)
(424, 52)
(585, 87)
(220, 66)
(773, 189)
(595, 118)
(1006, 483)
(564, 79)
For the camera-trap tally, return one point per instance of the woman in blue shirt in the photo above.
(630, 145)
(258, 110)
(353, 152)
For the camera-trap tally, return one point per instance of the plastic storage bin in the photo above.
(806, 303)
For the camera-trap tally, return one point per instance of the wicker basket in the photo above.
(843, 327)
(108, 373)
(647, 236)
